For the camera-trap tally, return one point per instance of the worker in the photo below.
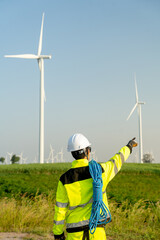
(74, 197)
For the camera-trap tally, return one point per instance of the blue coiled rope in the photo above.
(100, 214)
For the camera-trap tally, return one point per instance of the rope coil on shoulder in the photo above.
(100, 214)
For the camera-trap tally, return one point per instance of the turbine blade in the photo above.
(136, 89)
(132, 110)
(26, 56)
(40, 38)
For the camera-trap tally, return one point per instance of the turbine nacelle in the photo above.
(44, 57)
(141, 103)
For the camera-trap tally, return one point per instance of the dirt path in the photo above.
(23, 236)
(27, 236)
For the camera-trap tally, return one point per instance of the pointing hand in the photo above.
(132, 143)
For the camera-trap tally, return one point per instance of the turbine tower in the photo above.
(138, 106)
(40, 58)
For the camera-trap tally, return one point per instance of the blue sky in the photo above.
(96, 47)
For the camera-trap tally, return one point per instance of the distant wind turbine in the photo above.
(138, 106)
(10, 155)
(6, 160)
(40, 58)
(22, 159)
(51, 155)
(61, 155)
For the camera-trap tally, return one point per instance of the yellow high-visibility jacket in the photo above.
(74, 195)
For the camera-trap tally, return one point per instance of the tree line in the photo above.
(147, 158)
(14, 159)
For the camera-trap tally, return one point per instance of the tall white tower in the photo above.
(40, 58)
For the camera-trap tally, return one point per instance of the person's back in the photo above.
(78, 185)
(74, 196)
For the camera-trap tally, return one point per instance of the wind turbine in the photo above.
(138, 106)
(61, 155)
(56, 160)
(22, 159)
(51, 155)
(6, 159)
(40, 58)
(10, 155)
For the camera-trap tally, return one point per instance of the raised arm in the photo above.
(113, 166)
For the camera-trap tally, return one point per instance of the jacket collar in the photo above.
(80, 163)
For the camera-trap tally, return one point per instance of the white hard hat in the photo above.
(77, 142)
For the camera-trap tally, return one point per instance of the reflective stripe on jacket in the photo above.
(74, 195)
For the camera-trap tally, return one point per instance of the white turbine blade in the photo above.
(132, 110)
(9, 153)
(26, 56)
(136, 90)
(40, 39)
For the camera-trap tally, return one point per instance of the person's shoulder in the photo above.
(75, 174)
(65, 175)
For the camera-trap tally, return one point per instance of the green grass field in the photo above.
(27, 197)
